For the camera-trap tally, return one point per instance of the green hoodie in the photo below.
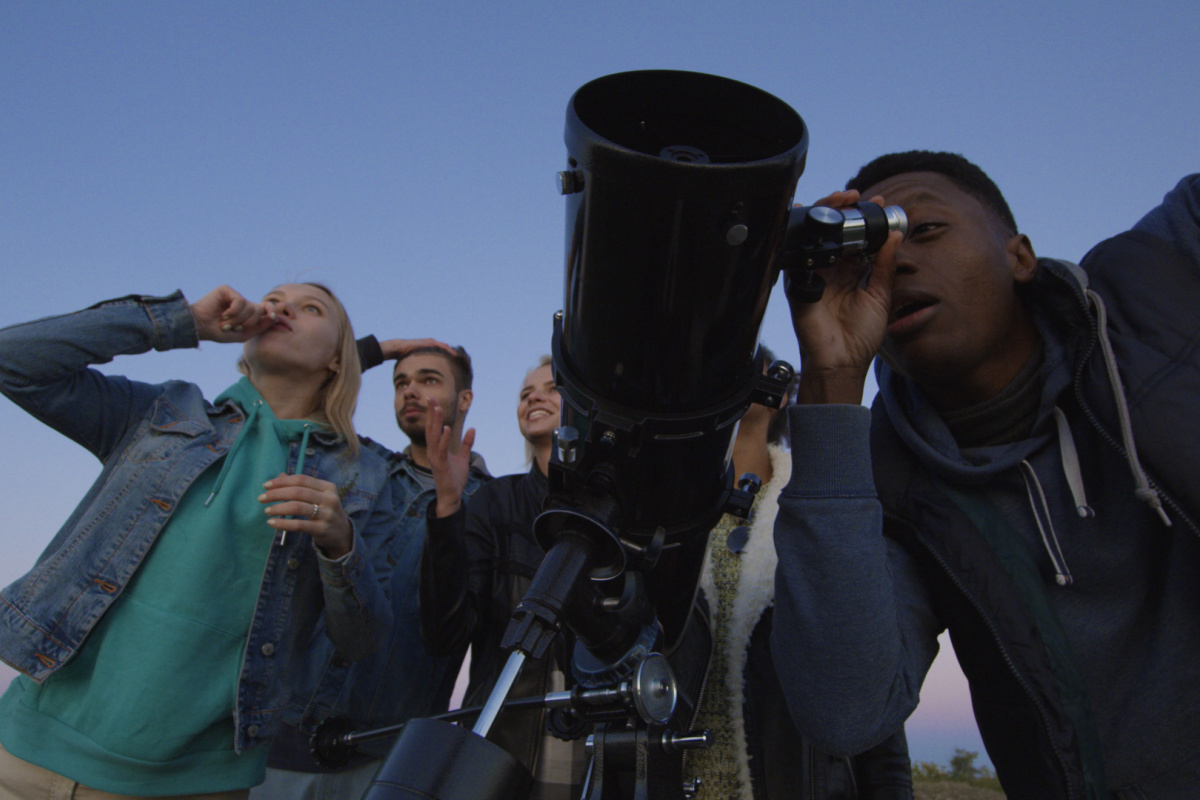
(146, 707)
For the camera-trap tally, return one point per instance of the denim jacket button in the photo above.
(268, 649)
(293, 562)
(310, 451)
(252, 731)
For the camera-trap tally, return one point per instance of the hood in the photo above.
(254, 408)
(1057, 300)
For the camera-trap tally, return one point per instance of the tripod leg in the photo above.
(499, 693)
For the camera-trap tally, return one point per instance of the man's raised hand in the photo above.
(449, 459)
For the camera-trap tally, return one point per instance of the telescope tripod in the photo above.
(633, 754)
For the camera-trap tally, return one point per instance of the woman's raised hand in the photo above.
(223, 315)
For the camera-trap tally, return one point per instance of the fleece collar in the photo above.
(755, 594)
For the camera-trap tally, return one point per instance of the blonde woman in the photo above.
(157, 632)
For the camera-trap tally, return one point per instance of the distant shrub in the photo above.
(962, 769)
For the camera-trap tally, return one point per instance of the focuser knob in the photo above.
(566, 443)
(750, 483)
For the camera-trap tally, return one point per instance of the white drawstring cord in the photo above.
(1143, 490)
(1070, 461)
(1062, 575)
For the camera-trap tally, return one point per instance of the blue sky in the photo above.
(405, 153)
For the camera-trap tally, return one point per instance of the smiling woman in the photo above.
(538, 413)
(177, 569)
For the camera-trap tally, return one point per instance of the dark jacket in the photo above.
(476, 566)
(783, 764)
(1031, 687)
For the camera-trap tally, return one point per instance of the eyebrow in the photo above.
(422, 371)
(529, 387)
(300, 298)
(926, 197)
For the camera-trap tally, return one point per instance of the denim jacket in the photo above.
(400, 680)
(154, 440)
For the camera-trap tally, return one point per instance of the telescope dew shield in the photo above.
(678, 199)
(683, 184)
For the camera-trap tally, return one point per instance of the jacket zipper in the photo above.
(712, 646)
(812, 772)
(1008, 660)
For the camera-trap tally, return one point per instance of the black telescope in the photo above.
(679, 187)
(679, 219)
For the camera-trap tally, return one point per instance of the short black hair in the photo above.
(965, 175)
(460, 364)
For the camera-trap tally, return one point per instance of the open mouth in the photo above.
(908, 309)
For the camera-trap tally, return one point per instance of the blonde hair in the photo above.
(338, 396)
(529, 452)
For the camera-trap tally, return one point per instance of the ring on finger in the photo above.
(316, 510)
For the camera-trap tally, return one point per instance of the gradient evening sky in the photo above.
(405, 153)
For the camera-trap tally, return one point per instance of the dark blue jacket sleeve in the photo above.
(854, 630)
(1177, 220)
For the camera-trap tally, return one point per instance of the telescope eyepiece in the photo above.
(858, 229)
(819, 235)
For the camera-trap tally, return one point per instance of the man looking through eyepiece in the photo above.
(1026, 461)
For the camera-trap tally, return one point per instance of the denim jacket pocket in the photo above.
(162, 431)
(357, 502)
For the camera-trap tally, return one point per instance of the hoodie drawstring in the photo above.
(1143, 491)
(247, 424)
(1070, 462)
(303, 449)
(1062, 575)
(299, 469)
(1074, 475)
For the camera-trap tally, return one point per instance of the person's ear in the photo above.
(1022, 258)
(464, 400)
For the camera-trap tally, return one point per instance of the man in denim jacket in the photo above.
(400, 680)
(156, 441)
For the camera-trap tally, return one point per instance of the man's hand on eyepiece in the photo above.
(840, 334)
